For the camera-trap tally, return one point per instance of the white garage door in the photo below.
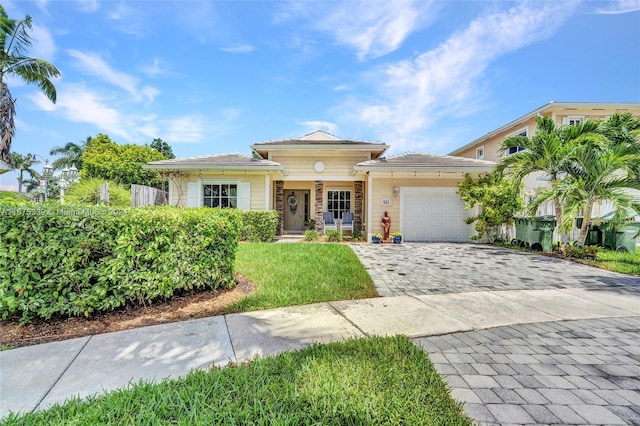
(434, 214)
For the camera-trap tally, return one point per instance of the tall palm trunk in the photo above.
(586, 222)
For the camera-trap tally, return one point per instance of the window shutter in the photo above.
(192, 194)
(244, 195)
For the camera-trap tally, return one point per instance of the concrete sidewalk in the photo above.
(36, 377)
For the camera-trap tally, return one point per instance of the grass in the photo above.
(299, 274)
(386, 381)
(623, 262)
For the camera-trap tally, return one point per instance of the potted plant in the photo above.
(397, 237)
(376, 238)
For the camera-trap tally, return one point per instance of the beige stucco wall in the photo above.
(336, 166)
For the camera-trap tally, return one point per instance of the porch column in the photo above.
(357, 205)
(280, 206)
(318, 205)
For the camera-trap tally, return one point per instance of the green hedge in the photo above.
(70, 261)
(259, 225)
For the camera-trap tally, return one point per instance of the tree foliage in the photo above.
(15, 39)
(105, 159)
(71, 154)
(588, 164)
(87, 192)
(163, 147)
(498, 199)
(24, 163)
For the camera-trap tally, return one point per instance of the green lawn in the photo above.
(372, 381)
(626, 263)
(299, 274)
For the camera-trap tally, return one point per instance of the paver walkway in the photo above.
(583, 371)
(413, 269)
(571, 372)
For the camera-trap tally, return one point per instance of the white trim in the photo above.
(524, 129)
(480, 156)
(567, 119)
(369, 206)
(345, 177)
(212, 181)
(267, 192)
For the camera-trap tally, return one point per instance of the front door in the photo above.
(296, 206)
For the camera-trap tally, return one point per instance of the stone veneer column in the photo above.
(318, 205)
(357, 205)
(280, 206)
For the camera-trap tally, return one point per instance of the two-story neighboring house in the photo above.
(562, 113)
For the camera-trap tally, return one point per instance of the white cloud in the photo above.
(239, 48)
(78, 104)
(43, 46)
(411, 94)
(154, 69)
(373, 29)
(93, 64)
(313, 125)
(89, 5)
(187, 129)
(621, 6)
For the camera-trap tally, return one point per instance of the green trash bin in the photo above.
(542, 233)
(626, 238)
(622, 239)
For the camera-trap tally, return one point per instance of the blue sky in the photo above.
(212, 77)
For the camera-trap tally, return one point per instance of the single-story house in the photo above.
(319, 172)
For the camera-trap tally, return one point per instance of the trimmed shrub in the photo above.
(333, 236)
(71, 261)
(311, 235)
(259, 225)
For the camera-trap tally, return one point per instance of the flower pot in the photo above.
(375, 240)
(397, 240)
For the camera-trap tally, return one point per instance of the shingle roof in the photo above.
(216, 161)
(416, 161)
(319, 137)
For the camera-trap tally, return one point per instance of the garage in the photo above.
(434, 214)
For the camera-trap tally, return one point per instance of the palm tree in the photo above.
(71, 154)
(14, 41)
(546, 152)
(24, 163)
(594, 175)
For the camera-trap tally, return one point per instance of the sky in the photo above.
(216, 76)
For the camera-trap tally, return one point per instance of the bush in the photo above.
(87, 192)
(357, 236)
(575, 252)
(311, 235)
(76, 261)
(259, 225)
(13, 198)
(334, 236)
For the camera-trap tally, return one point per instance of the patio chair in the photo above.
(328, 223)
(347, 222)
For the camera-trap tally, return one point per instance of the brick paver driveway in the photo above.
(584, 371)
(413, 269)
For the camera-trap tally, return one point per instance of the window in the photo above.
(522, 132)
(480, 153)
(338, 202)
(220, 195)
(572, 121)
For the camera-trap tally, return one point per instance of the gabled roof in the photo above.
(555, 106)
(217, 162)
(319, 140)
(415, 161)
